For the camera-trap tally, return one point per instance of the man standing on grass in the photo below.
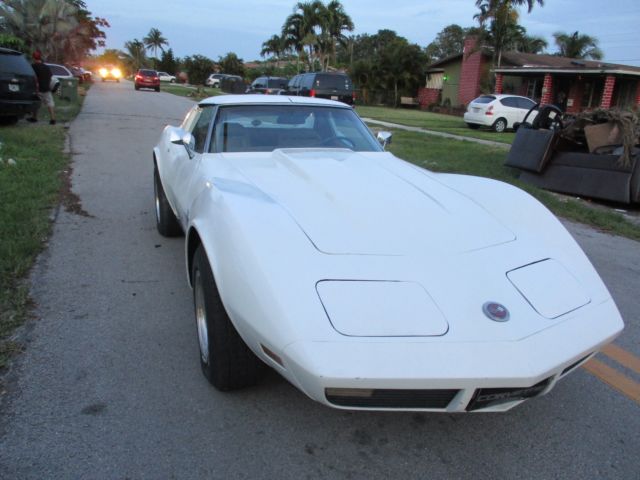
(43, 73)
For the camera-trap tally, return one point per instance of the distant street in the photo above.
(110, 387)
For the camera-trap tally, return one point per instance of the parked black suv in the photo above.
(268, 85)
(333, 86)
(18, 86)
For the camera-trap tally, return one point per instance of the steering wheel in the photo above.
(338, 139)
(549, 117)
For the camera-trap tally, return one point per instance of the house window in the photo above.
(534, 88)
(592, 94)
(434, 80)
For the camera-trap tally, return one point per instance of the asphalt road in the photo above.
(110, 386)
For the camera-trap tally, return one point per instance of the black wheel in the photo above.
(173, 80)
(166, 221)
(136, 87)
(118, 80)
(104, 80)
(473, 126)
(157, 89)
(500, 125)
(225, 359)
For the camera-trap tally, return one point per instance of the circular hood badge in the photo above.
(496, 311)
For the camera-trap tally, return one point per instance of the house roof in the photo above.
(518, 61)
(539, 63)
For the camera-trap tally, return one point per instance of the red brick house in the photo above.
(575, 85)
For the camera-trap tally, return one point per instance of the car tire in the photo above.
(136, 87)
(118, 80)
(473, 126)
(500, 125)
(157, 89)
(166, 221)
(104, 80)
(225, 359)
(173, 80)
(8, 120)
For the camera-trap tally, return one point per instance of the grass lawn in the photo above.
(197, 93)
(431, 121)
(28, 192)
(443, 155)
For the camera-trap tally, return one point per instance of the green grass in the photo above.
(443, 155)
(197, 93)
(432, 121)
(28, 192)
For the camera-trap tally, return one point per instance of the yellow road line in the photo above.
(623, 357)
(614, 378)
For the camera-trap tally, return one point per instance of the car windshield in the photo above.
(264, 128)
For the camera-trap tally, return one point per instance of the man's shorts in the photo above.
(47, 98)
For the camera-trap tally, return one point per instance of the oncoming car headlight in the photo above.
(116, 72)
(103, 72)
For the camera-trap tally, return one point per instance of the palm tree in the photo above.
(42, 24)
(135, 55)
(273, 46)
(501, 15)
(576, 45)
(302, 27)
(154, 41)
(336, 21)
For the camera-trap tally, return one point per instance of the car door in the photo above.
(187, 170)
(510, 110)
(525, 105)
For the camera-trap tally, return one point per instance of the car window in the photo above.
(201, 128)
(510, 102)
(525, 103)
(277, 82)
(15, 64)
(306, 81)
(259, 83)
(58, 70)
(337, 82)
(264, 128)
(484, 99)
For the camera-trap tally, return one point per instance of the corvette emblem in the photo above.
(496, 311)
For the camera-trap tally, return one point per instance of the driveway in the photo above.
(110, 385)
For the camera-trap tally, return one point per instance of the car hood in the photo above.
(370, 203)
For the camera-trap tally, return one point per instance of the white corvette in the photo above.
(367, 282)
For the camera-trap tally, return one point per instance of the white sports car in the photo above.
(367, 282)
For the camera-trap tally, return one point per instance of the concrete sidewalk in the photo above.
(489, 143)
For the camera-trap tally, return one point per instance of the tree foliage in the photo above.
(198, 68)
(314, 31)
(154, 41)
(135, 55)
(498, 21)
(576, 45)
(448, 42)
(63, 30)
(231, 64)
(168, 63)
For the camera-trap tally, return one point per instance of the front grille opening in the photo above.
(574, 365)
(385, 398)
(491, 397)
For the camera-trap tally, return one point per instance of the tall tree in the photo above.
(168, 63)
(154, 41)
(231, 64)
(273, 46)
(497, 17)
(335, 21)
(449, 41)
(135, 55)
(576, 45)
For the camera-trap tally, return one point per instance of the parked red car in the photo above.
(147, 79)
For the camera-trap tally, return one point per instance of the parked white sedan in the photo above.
(165, 77)
(364, 280)
(498, 112)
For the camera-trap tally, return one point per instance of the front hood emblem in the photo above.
(496, 311)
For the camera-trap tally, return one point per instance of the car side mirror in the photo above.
(384, 138)
(178, 136)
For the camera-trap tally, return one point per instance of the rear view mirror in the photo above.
(178, 136)
(384, 138)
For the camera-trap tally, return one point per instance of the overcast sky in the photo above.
(215, 27)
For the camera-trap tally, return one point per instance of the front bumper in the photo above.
(452, 373)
